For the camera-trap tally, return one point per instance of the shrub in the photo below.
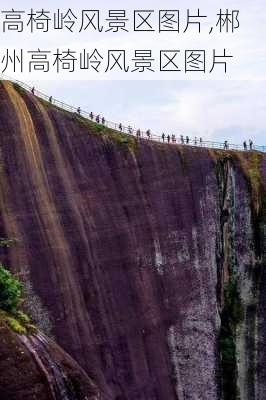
(10, 290)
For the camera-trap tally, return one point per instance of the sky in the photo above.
(215, 110)
(218, 108)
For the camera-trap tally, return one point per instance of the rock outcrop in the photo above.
(33, 367)
(148, 257)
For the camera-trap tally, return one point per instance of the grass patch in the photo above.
(126, 141)
(22, 317)
(15, 325)
(19, 322)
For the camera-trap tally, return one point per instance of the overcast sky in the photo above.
(214, 109)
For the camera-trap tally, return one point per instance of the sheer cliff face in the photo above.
(148, 256)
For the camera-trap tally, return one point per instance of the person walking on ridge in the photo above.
(245, 145)
(226, 146)
(120, 127)
(250, 144)
(33, 90)
(168, 139)
(91, 115)
(148, 133)
(79, 110)
(182, 139)
(187, 140)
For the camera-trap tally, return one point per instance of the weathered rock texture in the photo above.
(148, 256)
(34, 368)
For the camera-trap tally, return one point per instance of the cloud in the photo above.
(216, 110)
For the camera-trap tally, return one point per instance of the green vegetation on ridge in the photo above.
(127, 142)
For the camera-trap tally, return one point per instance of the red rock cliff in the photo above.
(131, 247)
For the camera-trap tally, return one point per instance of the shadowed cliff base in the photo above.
(34, 368)
(139, 251)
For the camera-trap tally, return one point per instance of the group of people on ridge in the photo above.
(245, 146)
(183, 140)
(98, 118)
(165, 138)
(250, 142)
